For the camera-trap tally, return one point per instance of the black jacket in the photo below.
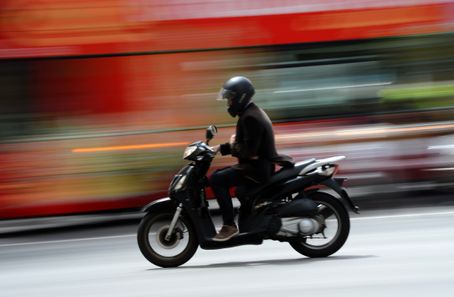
(254, 144)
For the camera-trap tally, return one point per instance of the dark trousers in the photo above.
(221, 181)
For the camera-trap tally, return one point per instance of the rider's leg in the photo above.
(221, 181)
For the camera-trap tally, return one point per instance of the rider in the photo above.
(253, 145)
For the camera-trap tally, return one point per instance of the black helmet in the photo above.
(238, 92)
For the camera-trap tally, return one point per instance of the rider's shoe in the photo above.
(226, 233)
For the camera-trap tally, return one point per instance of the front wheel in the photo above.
(334, 233)
(166, 253)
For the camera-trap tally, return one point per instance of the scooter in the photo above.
(291, 207)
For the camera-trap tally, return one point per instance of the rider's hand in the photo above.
(232, 139)
(216, 148)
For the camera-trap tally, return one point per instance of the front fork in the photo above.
(174, 221)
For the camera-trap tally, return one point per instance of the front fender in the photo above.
(336, 187)
(160, 205)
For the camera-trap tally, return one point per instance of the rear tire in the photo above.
(341, 235)
(154, 252)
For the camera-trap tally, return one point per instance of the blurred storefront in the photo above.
(99, 99)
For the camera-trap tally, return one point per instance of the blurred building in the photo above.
(99, 99)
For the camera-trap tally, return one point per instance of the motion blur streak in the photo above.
(98, 98)
(368, 131)
(384, 132)
(129, 147)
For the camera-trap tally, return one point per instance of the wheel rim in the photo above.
(177, 243)
(331, 219)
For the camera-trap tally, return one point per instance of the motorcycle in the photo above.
(290, 208)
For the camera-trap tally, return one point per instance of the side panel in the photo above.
(300, 183)
(297, 184)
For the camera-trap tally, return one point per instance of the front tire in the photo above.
(166, 253)
(331, 209)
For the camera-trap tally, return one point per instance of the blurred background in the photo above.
(99, 98)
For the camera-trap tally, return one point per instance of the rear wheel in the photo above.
(166, 253)
(335, 231)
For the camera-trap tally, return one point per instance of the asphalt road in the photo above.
(399, 253)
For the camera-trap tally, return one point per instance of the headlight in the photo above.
(180, 183)
(188, 151)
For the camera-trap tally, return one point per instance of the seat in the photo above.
(286, 172)
(283, 161)
(281, 175)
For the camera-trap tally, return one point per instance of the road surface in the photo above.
(399, 253)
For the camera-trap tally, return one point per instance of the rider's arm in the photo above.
(248, 148)
(225, 149)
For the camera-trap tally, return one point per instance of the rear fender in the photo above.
(335, 185)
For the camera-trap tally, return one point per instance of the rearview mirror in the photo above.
(211, 132)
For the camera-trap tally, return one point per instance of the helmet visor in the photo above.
(225, 94)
